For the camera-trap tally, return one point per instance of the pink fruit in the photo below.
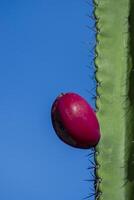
(75, 121)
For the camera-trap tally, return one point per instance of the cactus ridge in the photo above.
(114, 61)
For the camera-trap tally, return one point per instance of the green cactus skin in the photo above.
(115, 99)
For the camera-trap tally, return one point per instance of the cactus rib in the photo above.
(115, 63)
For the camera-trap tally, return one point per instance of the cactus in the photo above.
(114, 63)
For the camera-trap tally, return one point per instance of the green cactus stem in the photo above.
(115, 98)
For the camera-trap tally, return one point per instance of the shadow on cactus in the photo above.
(130, 161)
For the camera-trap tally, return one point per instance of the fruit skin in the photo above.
(75, 121)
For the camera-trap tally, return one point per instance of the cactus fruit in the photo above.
(74, 121)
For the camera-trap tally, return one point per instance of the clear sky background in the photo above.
(45, 49)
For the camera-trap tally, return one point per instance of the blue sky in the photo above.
(45, 50)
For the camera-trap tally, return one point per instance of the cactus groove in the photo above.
(115, 103)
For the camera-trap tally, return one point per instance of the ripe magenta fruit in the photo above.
(74, 121)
